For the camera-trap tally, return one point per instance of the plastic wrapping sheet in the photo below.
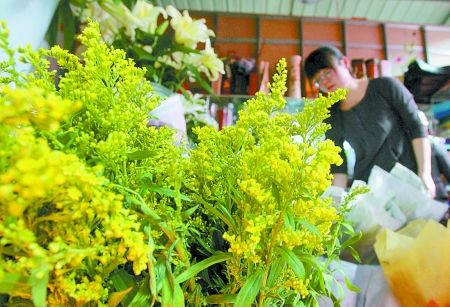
(395, 199)
(415, 263)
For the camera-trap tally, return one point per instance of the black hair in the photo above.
(321, 58)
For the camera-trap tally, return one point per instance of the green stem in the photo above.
(181, 250)
(268, 262)
(124, 172)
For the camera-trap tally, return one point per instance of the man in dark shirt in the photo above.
(378, 118)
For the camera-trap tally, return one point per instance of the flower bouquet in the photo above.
(98, 208)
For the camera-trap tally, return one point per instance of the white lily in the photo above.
(208, 62)
(189, 59)
(175, 60)
(148, 48)
(147, 15)
(121, 17)
(178, 60)
(188, 32)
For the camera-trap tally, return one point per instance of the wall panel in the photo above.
(403, 44)
(322, 31)
(364, 40)
(269, 38)
(236, 26)
(438, 45)
(273, 53)
(279, 28)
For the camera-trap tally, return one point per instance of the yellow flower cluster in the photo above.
(292, 238)
(270, 171)
(235, 272)
(34, 106)
(47, 195)
(52, 193)
(114, 148)
(261, 199)
(297, 285)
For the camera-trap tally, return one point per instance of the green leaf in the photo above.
(184, 49)
(128, 3)
(225, 216)
(17, 301)
(160, 273)
(161, 90)
(135, 198)
(247, 295)
(203, 245)
(310, 263)
(289, 220)
(38, 281)
(151, 268)
(355, 254)
(142, 297)
(164, 45)
(140, 155)
(168, 192)
(117, 297)
(219, 299)
(352, 240)
(52, 32)
(351, 286)
(144, 207)
(198, 77)
(140, 53)
(172, 294)
(309, 226)
(162, 28)
(80, 3)
(8, 281)
(187, 213)
(328, 279)
(275, 271)
(293, 261)
(121, 280)
(200, 266)
(348, 226)
(69, 25)
(225, 213)
(146, 181)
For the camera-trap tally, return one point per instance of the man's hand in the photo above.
(428, 182)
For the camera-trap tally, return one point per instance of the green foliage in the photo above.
(7, 72)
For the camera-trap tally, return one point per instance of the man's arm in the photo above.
(422, 152)
(340, 180)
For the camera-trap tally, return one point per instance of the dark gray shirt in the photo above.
(379, 129)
